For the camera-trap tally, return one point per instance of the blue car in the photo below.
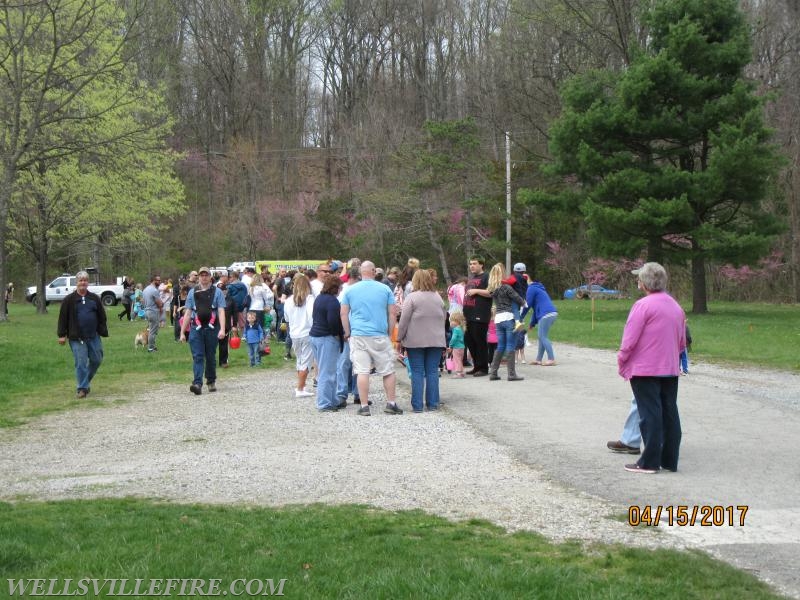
(591, 291)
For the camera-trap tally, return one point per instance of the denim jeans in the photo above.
(88, 355)
(684, 362)
(345, 382)
(326, 353)
(203, 344)
(657, 400)
(545, 346)
(631, 435)
(424, 376)
(253, 353)
(506, 339)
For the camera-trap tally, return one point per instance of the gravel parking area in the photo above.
(252, 442)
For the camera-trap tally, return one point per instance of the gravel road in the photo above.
(511, 453)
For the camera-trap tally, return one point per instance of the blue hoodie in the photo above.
(539, 302)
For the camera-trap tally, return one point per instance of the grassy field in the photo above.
(764, 335)
(38, 375)
(377, 554)
(337, 552)
(38, 378)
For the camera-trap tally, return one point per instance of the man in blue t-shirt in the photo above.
(204, 319)
(368, 317)
(82, 321)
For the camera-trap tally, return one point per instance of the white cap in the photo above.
(520, 268)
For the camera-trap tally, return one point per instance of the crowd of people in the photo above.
(349, 321)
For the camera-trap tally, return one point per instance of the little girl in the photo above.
(457, 327)
(253, 334)
(491, 337)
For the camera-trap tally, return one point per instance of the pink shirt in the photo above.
(654, 337)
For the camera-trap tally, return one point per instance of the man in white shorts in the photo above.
(368, 314)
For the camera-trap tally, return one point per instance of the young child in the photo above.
(138, 311)
(518, 281)
(685, 354)
(456, 347)
(253, 333)
(491, 337)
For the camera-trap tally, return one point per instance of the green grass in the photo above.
(38, 377)
(766, 335)
(341, 552)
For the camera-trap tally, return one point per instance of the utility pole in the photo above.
(508, 202)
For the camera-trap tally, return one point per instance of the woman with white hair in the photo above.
(652, 341)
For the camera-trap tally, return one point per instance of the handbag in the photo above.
(448, 363)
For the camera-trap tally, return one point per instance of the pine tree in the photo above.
(671, 155)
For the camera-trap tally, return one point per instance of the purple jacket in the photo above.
(654, 337)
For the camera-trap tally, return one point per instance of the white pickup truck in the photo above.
(60, 287)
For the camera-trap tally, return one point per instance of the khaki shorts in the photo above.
(366, 352)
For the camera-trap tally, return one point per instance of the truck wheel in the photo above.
(35, 301)
(108, 299)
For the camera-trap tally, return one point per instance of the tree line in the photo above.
(141, 135)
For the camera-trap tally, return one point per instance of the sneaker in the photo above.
(82, 393)
(152, 349)
(196, 389)
(329, 409)
(212, 387)
(393, 409)
(364, 411)
(480, 373)
(342, 405)
(519, 326)
(617, 446)
(302, 394)
(492, 377)
(635, 468)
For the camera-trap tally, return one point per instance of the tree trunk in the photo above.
(699, 293)
(5, 199)
(41, 279)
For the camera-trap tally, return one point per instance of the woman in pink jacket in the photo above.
(652, 341)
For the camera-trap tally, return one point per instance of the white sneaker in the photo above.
(302, 394)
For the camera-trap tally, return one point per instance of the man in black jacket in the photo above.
(82, 321)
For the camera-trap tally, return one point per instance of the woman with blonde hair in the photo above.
(298, 309)
(421, 332)
(261, 297)
(503, 296)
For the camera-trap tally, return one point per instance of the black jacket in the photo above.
(68, 317)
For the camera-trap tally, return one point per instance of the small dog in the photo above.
(141, 339)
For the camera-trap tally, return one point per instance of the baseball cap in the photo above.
(204, 270)
(520, 268)
(335, 265)
(378, 271)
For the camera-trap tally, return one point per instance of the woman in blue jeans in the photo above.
(421, 333)
(503, 296)
(544, 314)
